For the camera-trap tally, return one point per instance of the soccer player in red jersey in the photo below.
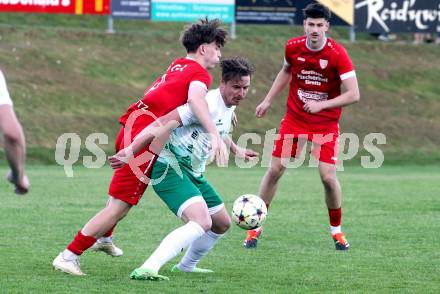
(185, 81)
(315, 67)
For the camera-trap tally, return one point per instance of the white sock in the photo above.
(69, 255)
(335, 230)
(173, 244)
(105, 240)
(197, 250)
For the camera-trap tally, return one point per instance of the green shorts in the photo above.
(179, 192)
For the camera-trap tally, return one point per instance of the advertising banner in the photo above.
(131, 9)
(191, 10)
(384, 16)
(342, 11)
(56, 6)
(265, 11)
(290, 11)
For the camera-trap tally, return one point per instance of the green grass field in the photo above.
(391, 218)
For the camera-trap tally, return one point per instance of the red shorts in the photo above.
(128, 184)
(292, 139)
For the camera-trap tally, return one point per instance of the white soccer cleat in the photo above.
(107, 247)
(67, 266)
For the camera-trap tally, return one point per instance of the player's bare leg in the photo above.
(104, 220)
(15, 148)
(333, 199)
(68, 260)
(269, 183)
(221, 222)
(333, 194)
(105, 242)
(268, 188)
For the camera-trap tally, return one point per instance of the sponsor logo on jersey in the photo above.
(306, 96)
(311, 77)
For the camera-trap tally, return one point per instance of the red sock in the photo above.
(335, 216)
(110, 232)
(81, 243)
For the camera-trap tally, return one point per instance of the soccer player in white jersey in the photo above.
(178, 177)
(15, 145)
(316, 68)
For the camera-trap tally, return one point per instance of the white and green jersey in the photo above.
(190, 144)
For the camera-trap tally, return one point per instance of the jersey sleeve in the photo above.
(4, 94)
(345, 66)
(186, 115)
(203, 77)
(287, 52)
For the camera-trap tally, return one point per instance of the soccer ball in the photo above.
(249, 211)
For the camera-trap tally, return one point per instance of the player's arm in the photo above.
(247, 154)
(281, 81)
(199, 106)
(349, 96)
(155, 135)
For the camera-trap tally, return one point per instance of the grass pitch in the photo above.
(391, 218)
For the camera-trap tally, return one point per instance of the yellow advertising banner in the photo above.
(99, 5)
(79, 7)
(342, 8)
(92, 6)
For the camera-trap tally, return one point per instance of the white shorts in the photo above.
(4, 94)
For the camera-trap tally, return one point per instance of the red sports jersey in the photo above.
(168, 92)
(316, 75)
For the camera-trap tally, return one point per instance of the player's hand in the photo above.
(119, 159)
(246, 154)
(219, 151)
(261, 109)
(313, 106)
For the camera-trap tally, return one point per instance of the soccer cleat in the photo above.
(252, 238)
(107, 247)
(176, 269)
(67, 266)
(340, 241)
(21, 187)
(147, 274)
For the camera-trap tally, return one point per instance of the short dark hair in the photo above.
(236, 67)
(317, 10)
(205, 31)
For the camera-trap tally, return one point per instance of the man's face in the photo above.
(315, 29)
(235, 90)
(211, 54)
